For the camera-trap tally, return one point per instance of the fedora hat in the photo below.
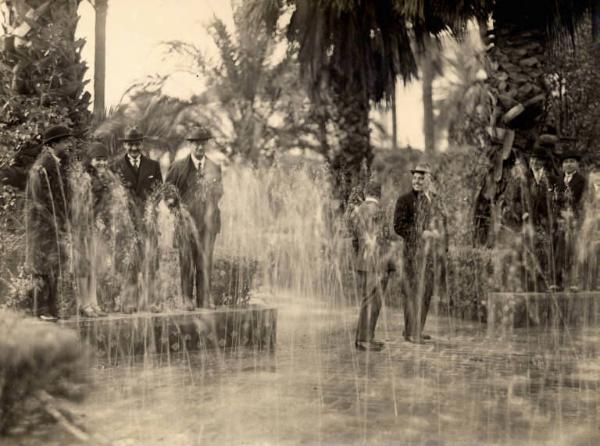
(133, 135)
(421, 168)
(540, 153)
(570, 154)
(200, 133)
(55, 133)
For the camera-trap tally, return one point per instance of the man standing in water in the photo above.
(413, 222)
(140, 175)
(371, 263)
(199, 182)
(48, 224)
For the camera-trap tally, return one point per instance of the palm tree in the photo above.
(351, 53)
(358, 48)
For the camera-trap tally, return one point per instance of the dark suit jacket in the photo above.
(543, 201)
(141, 183)
(572, 193)
(411, 218)
(200, 192)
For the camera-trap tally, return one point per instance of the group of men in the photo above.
(419, 219)
(50, 216)
(546, 211)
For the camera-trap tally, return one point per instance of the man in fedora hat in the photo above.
(199, 182)
(48, 209)
(413, 221)
(140, 176)
(571, 188)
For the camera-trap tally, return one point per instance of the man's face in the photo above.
(536, 163)
(595, 180)
(418, 181)
(199, 148)
(62, 148)
(570, 165)
(133, 148)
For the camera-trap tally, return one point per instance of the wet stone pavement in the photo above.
(464, 387)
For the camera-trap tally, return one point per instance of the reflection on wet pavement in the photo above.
(463, 387)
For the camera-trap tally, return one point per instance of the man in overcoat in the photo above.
(48, 220)
(199, 182)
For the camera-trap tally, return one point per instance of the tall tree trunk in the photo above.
(101, 7)
(522, 93)
(351, 164)
(427, 84)
(394, 120)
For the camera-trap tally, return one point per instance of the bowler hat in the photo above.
(200, 133)
(133, 135)
(570, 154)
(421, 168)
(56, 133)
(97, 150)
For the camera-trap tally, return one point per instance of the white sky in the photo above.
(135, 29)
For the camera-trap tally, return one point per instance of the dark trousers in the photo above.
(196, 267)
(45, 294)
(418, 284)
(371, 287)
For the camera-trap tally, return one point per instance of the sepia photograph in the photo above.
(300, 222)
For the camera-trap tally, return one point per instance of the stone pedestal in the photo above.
(120, 337)
(516, 310)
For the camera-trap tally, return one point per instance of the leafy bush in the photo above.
(232, 279)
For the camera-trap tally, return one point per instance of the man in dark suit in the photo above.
(140, 176)
(571, 189)
(539, 215)
(199, 182)
(413, 221)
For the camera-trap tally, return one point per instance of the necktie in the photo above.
(135, 163)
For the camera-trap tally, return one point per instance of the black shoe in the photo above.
(376, 342)
(415, 340)
(368, 346)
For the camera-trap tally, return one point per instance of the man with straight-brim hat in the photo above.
(415, 220)
(48, 202)
(140, 176)
(199, 182)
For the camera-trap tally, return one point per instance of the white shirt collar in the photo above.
(538, 174)
(569, 177)
(198, 162)
(133, 161)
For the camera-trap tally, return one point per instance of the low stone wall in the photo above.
(119, 338)
(507, 310)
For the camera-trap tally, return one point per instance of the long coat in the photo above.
(48, 211)
(200, 191)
